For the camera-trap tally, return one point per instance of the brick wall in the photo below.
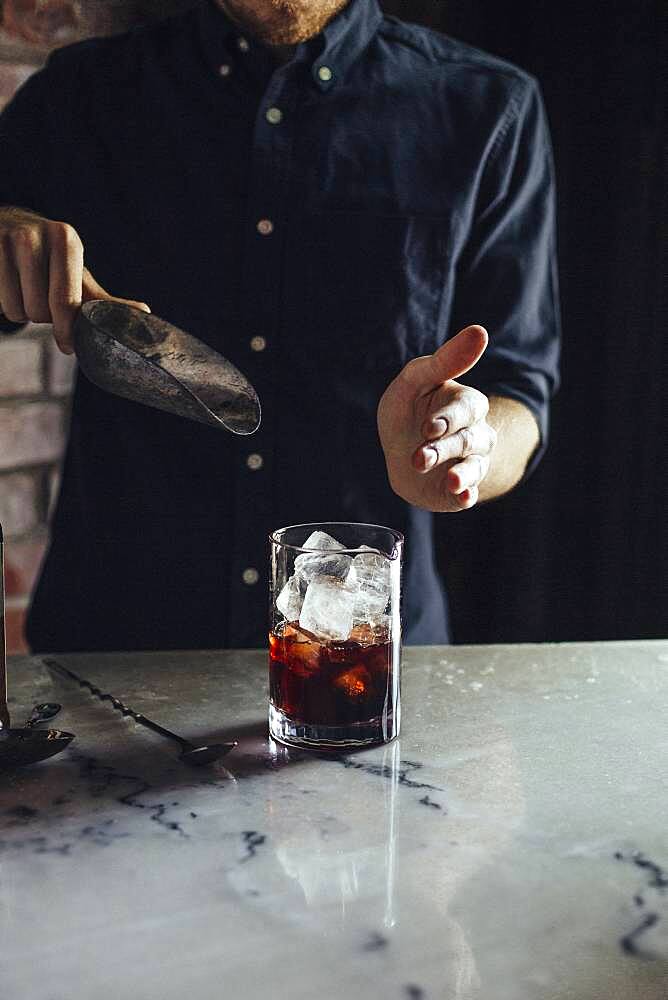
(35, 378)
(35, 381)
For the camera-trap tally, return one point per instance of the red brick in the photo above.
(22, 563)
(30, 433)
(41, 24)
(12, 75)
(15, 617)
(20, 366)
(20, 503)
(62, 368)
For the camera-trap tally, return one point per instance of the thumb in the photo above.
(91, 289)
(459, 354)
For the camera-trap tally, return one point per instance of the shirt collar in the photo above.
(330, 54)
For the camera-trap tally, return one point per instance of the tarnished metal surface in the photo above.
(143, 358)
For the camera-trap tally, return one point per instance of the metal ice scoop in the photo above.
(144, 358)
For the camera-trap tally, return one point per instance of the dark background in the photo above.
(579, 551)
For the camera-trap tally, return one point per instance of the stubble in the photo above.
(282, 22)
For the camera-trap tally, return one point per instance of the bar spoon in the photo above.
(25, 745)
(198, 756)
(42, 713)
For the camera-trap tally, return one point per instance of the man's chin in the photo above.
(279, 23)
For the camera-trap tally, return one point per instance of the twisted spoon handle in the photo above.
(116, 703)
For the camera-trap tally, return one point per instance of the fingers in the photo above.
(32, 267)
(11, 297)
(454, 358)
(42, 274)
(92, 289)
(71, 284)
(65, 282)
(476, 439)
(453, 407)
(467, 499)
(467, 474)
(459, 354)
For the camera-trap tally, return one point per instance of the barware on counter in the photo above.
(335, 635)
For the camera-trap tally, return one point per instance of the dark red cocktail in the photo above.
(329, 683)
(335, 635)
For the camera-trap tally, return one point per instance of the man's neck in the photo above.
(282, 23)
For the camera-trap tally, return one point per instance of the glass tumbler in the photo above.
(335, 635)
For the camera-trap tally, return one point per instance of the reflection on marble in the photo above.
(510, 846)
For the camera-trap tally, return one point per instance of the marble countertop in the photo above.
(511, 845)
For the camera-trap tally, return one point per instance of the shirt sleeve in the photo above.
(507, 275)
(27, 125)
(20, 125)
(24, 141)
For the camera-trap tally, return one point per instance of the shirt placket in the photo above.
(261, 290)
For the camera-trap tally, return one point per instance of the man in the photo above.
(325, 196)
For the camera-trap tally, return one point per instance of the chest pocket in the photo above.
(364, 292)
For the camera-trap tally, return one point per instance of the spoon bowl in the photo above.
(199, 756)
(19, 747)
(42, 712)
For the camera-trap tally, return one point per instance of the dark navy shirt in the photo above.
(319, 222)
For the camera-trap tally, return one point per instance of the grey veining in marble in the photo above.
(511, 845)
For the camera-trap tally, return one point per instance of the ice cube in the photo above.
(327, 610)
(354, 682)
(340, 567)
(372, 631)
(321, 540)
(373, 576)
(289, 601)
(300, 651)
(326, 561)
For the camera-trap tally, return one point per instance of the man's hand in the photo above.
(434, 431)
(42, 274)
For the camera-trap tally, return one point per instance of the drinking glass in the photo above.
(335, 634)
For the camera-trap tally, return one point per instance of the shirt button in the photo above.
(225, 69)
(265, 227)
(274, 116)
(254, 461)
(242, 44)
(325, 74)
(250, 576)
(258, 343)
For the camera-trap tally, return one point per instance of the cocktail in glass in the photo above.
(335, 635)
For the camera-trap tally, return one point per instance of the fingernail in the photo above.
(430, 456)
(439, 425)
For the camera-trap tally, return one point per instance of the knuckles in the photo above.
(65, 237)
(465, 405)
(26, 239)
(467, 439)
